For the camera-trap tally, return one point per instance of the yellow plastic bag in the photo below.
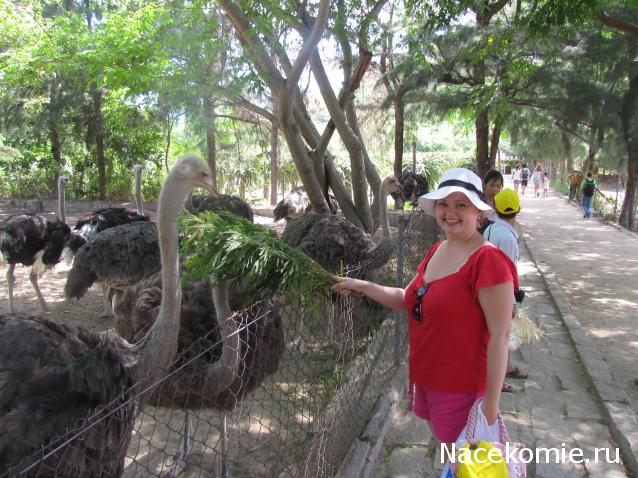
(483, 460)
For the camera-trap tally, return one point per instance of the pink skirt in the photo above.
(446, 411)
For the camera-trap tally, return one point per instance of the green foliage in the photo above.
(226, 246)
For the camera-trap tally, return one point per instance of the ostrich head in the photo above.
(391, 184)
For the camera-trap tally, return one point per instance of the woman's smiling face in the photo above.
(456, 214)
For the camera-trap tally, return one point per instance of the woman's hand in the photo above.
(346, 285)
(490, 412)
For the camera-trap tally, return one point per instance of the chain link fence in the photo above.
(284, 394)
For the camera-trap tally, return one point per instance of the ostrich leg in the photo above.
(10, 283)
(33, 277)
(180, 459)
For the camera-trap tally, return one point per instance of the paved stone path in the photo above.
(572, 268)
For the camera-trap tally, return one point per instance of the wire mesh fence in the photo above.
(281, 388)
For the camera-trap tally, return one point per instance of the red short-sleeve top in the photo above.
(448, 347)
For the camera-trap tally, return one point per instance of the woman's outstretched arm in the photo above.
(391, 297)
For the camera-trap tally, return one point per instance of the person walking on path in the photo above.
(537, 179)
(460, 308)
(574, 180)
(525, 173)
(589, 188)
(503, 235)
(516, 177)
(545, 184)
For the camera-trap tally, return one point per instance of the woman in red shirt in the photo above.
(460, 308)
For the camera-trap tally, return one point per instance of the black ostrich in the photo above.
(297, 204)
(224, 202)
(413, 186)
(234, 364)
(31, 240)
(105, 218)
(54, 377)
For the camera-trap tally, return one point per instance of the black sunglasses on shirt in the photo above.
(416, 308)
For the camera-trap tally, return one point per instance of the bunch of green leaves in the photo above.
(225, 246)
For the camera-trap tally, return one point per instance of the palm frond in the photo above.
(225, 246)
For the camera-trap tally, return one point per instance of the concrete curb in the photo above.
(614, 402)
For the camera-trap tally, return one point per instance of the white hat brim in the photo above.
(428, 201)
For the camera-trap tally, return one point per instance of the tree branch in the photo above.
(618, 24)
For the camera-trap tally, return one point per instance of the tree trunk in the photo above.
(591, 152)
(494, 142)
(56, 152)
(99, 143)
(399, 128)
(211, 144)
(569, 153)
(629, 120)
(274, 160)
(482, 142)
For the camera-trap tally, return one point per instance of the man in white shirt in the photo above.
(502, 234)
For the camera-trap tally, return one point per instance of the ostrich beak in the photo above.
(208, 185)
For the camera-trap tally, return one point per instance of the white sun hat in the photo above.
(456, 180)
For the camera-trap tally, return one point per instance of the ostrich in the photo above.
(414, 185)
(220, 377)
(31, 240)
(55, 376)
(297, 204)
(336, 243)
(205, 322)
(224, 202)
(105, 218)
(116, 258)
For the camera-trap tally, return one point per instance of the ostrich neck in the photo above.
(156, 352)
(61, 200)
(383, 211)
(223, 372)
(138, 192)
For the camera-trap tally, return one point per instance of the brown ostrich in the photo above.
(340, 246)
(54, 376)
(334, 242)
(235, 362)
(297, 204)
